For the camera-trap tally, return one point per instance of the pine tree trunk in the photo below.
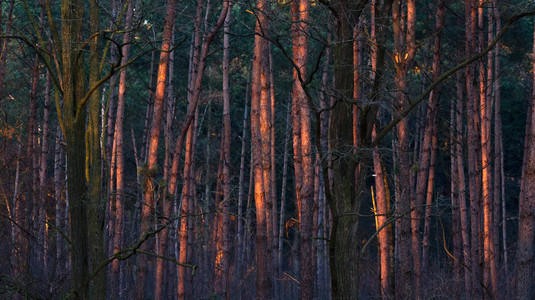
(465, 231)
(499, 176)
(118, 142)
(526, 229)
(152, 155)
(470, 13)
(405, 47)
(303, 148)
(223, 207)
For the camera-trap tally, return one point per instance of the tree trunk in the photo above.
(499, 176)
(116, 272)
(261, 146)
(465, 232)
(222, 255)
(241, 194)
(184, 211)
(152, 155)
(405, 47)
(526, 229)
(303, 143)
(424, 185)
(470, 13)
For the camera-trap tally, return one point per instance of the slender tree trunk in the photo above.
(470, 13)
(241, 194)
(282, 210)
(465, 232)
(405, 47)
(424, 184)
(44, 214)
(303, 143)
(489, 276)
(152, 155)
(385, 235)
(455, 210)
(59, 197)
(118, 141)
(499, 176)
(32, 181)
(222, 255)
(184, 212)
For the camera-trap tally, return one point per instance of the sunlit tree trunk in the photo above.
(385, 234)
(260, 143)
(303, 143)
(485, 110)
(184, 211)
(152, 155)
(118, 213)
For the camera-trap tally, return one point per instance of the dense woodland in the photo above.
(289, 149)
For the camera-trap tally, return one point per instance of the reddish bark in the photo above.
(118, 140)
(260, 153)
(152, 155)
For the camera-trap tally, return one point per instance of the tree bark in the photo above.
(303, 143)
(405, 47)
(222, 255)
(526, 229)
(118, 140)
(260, 151)
(152, 155)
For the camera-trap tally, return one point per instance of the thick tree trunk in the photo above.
(261, 147)
(73, 118)
(526, 228)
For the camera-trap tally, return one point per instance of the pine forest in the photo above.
(267, 149)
